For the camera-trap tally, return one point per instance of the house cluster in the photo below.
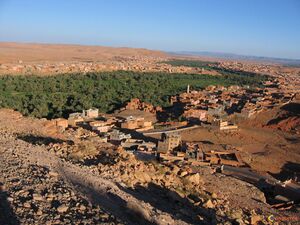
(216, 106)
(136, 123)
(288, 77)
(171, 147)
(116, 130)
(222, 106)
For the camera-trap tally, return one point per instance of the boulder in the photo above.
(194, 178)
(62, 208)
(143, 177)
(255, 219)
(209, 204)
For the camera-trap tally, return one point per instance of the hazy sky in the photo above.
(251, 27)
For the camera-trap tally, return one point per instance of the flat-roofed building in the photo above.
(91, 113)
(168, 142)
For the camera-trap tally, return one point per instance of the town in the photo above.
(154, 133)
(100, 135)
(149, 112)
(211, 153)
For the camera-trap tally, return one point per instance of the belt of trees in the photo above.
(57, 96)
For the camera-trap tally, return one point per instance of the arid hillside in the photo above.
(44, 181)
(13, 52)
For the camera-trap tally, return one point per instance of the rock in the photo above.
(191, 201)
(37, 197)
(53, 174)
(175, 169)
(124, 176)
(49, 199)
(281, 198)
(214, 195)
(194, 178)
(2, 187)
(197, 203)
(82, 208)
(183, 173)
(39, 212)
(143, 177)
(27, 205)
(237, 214)
(25, 194)
(104, 216)
(239, 221)
(209, 204)
(255, 219)
(167, 183)
(62, 209)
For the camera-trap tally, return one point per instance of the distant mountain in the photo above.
(284, 61)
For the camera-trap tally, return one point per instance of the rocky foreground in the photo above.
(41, 184)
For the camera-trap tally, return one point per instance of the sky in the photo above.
(248, 27)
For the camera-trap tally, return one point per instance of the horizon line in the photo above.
(183, 52)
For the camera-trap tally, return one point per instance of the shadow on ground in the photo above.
(289, 170)
(40, 140)
(136, 206)
(171, 202)
(108, 201)
(7, 216)
(138, 135)
(292, 108)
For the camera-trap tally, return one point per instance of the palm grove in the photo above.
(57, 96)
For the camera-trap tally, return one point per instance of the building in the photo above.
(75, 115)
(136, 123)
(138, 145)
(195, 115)
(90, 113)
(130, 124)
(56, 125)
(117, 135)
(61, 123)
(225, 125)
(101, 129)
(101, 126)
(218, 111)
(193, 151)
(168, 142)
(74, 120)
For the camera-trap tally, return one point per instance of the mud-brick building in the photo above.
(196, 115)
(90, 113)
(168, 143)
(134, 123)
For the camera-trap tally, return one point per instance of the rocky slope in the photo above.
(285, 118)
(41, 184)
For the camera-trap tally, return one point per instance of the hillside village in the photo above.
(218, 108)
(214, 155)
(149, 112)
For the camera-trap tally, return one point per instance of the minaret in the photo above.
(188, 89)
